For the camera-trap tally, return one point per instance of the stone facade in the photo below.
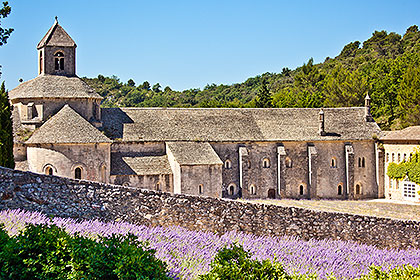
(93, 159)
(89, 200)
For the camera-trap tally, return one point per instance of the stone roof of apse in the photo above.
(66, 127)
(244, 124)
(409, 133)
(193, 153)
(139, 165)
(56, 37)
(53, 86)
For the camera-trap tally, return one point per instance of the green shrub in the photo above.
(235, 263)
(48, 252)
(399, 273)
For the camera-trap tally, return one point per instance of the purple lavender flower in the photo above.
(189, 253)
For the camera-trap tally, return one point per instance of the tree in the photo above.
(156, 88)
(6, 130)
(145, 85)
(101, 78)
(409, 97)
(131, 83)
(263, 98)
(5, 33)
(286, 71)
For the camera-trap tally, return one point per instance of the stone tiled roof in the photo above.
(204, 124)
(67, 126)
(143, 165)
(410, 133)
(193, 153)
(56, 37)
(53, 86)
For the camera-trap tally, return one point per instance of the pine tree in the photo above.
(6, 130)
(263, 98)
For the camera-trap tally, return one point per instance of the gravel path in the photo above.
(377, 207)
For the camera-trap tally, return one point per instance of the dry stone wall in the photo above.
(87, 200)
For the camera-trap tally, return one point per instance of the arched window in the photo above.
(266, 163)
(405, 157)
(232, 189)
(387, 157)
(200, 189)
(228, 164)
(59, 61)
(340, 189)
(288, 162)
(157, 187)
(333, 162)
(301, 190)
(252, 189)
(358, 189)
(393, 157)
(399, 157)
(78, 173)
(49, 170)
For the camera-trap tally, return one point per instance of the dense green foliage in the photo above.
(48, 252)
(399, 273)
(6, 130)
(5, 32)
(386, 66)
(409, 169)
(235, 263)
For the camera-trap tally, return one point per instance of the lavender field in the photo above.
(189, 253)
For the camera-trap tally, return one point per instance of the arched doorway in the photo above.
(272, 193)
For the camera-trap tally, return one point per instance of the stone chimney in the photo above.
(321, 129)
(368, 116)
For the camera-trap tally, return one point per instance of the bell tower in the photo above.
(57, 52)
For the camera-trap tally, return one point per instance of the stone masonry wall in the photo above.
(82, 199)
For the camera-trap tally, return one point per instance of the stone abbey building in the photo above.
(61, 129)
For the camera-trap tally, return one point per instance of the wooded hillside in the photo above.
(386, 66)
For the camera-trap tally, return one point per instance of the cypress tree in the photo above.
(263, 98)
(6, 130)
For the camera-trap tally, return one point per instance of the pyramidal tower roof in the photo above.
(65, 127)
(56, 37)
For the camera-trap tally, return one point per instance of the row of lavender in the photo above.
(189, 253)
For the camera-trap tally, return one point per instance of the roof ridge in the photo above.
(234, 109)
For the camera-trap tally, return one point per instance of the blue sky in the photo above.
(188, 44)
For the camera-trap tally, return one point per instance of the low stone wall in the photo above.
(81, 199)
